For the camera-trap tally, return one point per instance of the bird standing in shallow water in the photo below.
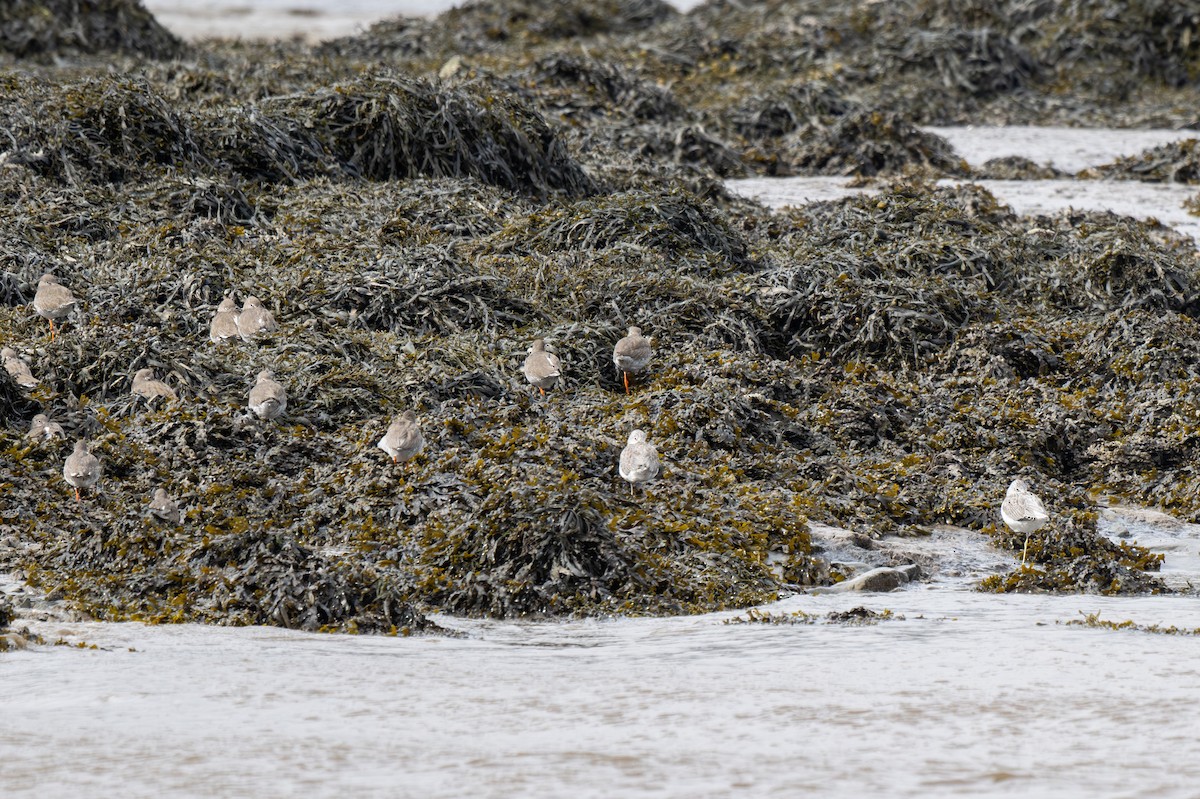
(632, 354)
(52, 300)
(403, 439)
(224, 323)
(1022, 511)
(541, 368)
(163, 508)
(145, 385)
(17, 369)
(254, 319)
(82, 469)
(268, 399)
(639, 460)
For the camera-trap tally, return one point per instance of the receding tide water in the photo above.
(958, 693)
(949, 692)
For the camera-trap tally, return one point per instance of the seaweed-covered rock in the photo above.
(573, 85)
(882, 363)
(867, 143)
(888, 294)
(670, 224)
(105, 130)
(30, 28)
(1015, 167)
(786, 109)
(392, 127)
(1177, 162)
(1072, 556)
(488, 25)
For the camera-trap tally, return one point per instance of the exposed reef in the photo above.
(418, 203)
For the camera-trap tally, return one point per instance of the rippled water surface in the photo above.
(959, 693)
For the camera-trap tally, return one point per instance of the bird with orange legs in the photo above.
(632, 354)
(82, 469)
(53, 300)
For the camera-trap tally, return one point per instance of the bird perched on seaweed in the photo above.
(639, 460)
(541, 368)
(145, 385)
(42, 429)
(254, 319)
(17, 369)
(632, 354)
(268, 399)
(403, 439)
(224, 324)
(53, 300)
(163, 508)
(1023, 511)
(82, 468)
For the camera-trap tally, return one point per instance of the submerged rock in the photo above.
(883, 578)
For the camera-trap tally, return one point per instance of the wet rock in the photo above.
(883, 578)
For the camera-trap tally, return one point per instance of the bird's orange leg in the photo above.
(77, 494)
(625, 376)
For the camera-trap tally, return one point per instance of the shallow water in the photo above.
(315, 20)
(961, 693)
(1067, 148)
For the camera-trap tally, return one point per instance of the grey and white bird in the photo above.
(163, 508)
(254, 319)
(17, 369)
(1023, 511)
(224, 324)
(52, 300)
(632, 354)
(146, 385)
(42, 429)
(639, 460)
(403, 438)
(541, 368)
(268, 399)
(82, 468)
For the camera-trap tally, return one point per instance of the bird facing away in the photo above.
(632, 354)
(403, 438)
(17, 369)
(144, 385)
(268, 399)
(541, 368)
(41, 428)
(163, 508)
(254, 319)
(82, 469)
(52, 300)
(639, 460)
(224, 323)
(1022, 511)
